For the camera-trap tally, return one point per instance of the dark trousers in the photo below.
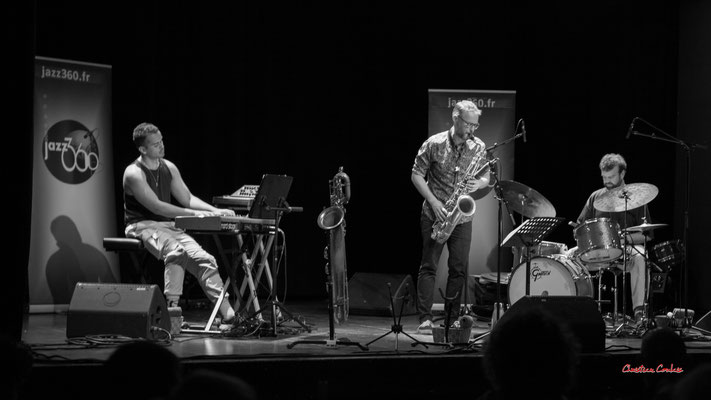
(458, 245)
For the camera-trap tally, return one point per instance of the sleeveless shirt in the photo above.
(159, 181)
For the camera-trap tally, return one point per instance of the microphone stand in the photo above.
(687, 147)
(498, 306)
(276, 305)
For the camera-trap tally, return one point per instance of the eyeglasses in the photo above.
(474, 126)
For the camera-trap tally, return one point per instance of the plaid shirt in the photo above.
(443, 164)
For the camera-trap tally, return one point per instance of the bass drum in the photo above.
(554, 275)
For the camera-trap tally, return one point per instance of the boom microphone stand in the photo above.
(498, 305)
(273, 302)
(687, 147)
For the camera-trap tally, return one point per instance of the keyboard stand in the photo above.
(260, 251)
(259, 256)
(211, 320)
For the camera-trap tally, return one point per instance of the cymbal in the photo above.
(526, 201)
(637, 195)
(644, 227)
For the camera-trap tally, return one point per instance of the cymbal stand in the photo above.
(687, 147)
(623, 325)
(647, 320)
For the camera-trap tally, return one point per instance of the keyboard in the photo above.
(216, 223)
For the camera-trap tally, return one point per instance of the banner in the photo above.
(73, 203)
(497, 124)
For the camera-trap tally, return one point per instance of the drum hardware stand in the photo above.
(332, 342)
(599, 300)
(687, 147)
(396, 327)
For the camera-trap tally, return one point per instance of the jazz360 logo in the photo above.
(70, 152)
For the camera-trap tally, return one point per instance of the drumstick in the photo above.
(573, 224)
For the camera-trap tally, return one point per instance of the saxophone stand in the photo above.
(396, 327)
(278, 307)
(331, 342)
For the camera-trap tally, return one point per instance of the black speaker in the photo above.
(368, 294)
(704, 324)
(579, 313)
(118, 309)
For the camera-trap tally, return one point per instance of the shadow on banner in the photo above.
(497, 125)
(73, 203)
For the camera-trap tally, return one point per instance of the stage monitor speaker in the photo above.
(136, 311)
(704, 324)
(368, 294)
(580, 313)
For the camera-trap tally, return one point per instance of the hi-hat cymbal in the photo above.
(526, 201)
(644, 227)
(626, 197)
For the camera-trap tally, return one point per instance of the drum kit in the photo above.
(601, 243)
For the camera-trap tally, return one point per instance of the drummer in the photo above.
(612, 169)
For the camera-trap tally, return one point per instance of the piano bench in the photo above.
(123, 244)
(134, 248)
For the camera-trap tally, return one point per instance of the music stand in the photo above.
(528, 234)
(270, 203)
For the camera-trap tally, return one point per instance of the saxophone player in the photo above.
(439, 168)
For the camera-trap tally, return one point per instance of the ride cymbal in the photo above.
(626, 197)
(644, 227)
(525, 200)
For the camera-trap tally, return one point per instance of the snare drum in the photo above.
(554, 275)
(598, 240)
(669, 254)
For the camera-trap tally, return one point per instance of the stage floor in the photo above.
(379, 357)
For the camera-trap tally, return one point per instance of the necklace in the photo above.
(156, 176)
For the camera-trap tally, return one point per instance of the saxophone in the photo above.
(332, 220)
(460, 203)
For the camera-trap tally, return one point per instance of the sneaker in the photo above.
(425, 327)
(227, 324)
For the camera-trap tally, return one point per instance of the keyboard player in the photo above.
(148, 184)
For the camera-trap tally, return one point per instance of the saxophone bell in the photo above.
(330, 218)
(465, 207)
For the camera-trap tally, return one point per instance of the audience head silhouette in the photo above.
(13, 380)
(696, 384)
(662, 348)
(142, 370)
(530, 354)
(209, 384)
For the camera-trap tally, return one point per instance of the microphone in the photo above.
(629, 131)
(523, 130)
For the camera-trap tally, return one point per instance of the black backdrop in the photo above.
(241, 90)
